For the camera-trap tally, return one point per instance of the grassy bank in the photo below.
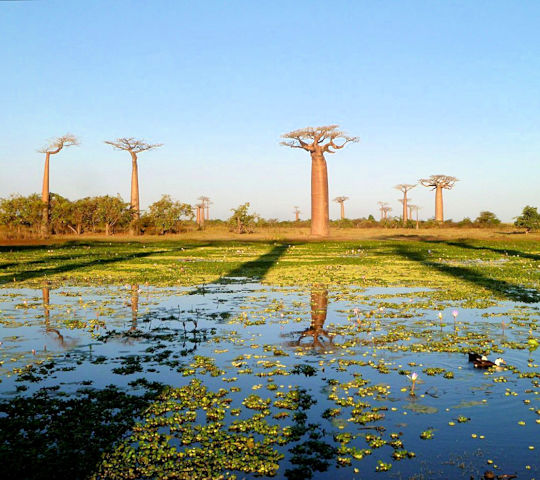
(456, 262)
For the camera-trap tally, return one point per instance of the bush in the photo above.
(529, 219)
(487, 219)
(241, 221)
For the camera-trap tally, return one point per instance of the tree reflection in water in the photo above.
(319, 337)
(134, 306)
(53, 332)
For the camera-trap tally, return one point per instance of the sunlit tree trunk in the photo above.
(342, 210)
(405, 210)
(439, 204)
(45, 198)
(134, 194)
(319, 195)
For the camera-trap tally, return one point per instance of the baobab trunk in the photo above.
(134, 194)
(342, 210)
(438, 204)
(319, 195)
(405, 210)
(45, 198)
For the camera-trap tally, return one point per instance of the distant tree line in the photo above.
(22, 216)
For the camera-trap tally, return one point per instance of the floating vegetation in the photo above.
(334, 364)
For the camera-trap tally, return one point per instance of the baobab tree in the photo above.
(52, 149)
(438, 182)
(404, 187)
(297, 213)
(134, 147)
(341, 201)
(205, 201)
(318, 141)
(382, 209)
(414, 208)
(200, 214)
(386, 210)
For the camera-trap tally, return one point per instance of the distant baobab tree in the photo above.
(438, 182)
(404, 187)
(382, 206)
(205, 201)
(200, 214)
(318, 141)
(386, 209)
(414, 208)
(297, 213)
(341, 201)
(52, 149)
(134, 147)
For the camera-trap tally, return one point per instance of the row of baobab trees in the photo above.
(317, 141)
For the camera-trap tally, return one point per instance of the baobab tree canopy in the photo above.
(313, 139)
(441, 181)
(132, 145)
(318, 141)
(57, 144)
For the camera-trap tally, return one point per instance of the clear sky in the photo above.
(448, 87)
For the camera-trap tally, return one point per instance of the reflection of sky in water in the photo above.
(293, 326)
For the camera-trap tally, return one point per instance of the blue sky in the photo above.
(429, 87)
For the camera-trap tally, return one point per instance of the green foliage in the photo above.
(466, 222)
(529, 219)
(487, 219)
(166, 215)
(19, 213)
(241, 221)
(112, 211)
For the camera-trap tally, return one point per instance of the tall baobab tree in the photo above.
(382, 209)
(438, 182)
(134, 147)
(341, 201)
(52, 149)
(404, 187)
(297, 214)
(318, 141)
(205, 201)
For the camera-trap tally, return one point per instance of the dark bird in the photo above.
(474, 357)
(488, 364)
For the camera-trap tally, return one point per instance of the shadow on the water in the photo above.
(503, 288)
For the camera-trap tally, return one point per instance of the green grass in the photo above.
(459, 269)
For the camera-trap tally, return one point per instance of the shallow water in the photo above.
(114, 335)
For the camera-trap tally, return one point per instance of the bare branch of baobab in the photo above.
(323, 138)
(57, 144)
(132, 145)
(441, 181)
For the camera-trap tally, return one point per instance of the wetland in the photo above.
(283, 359)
